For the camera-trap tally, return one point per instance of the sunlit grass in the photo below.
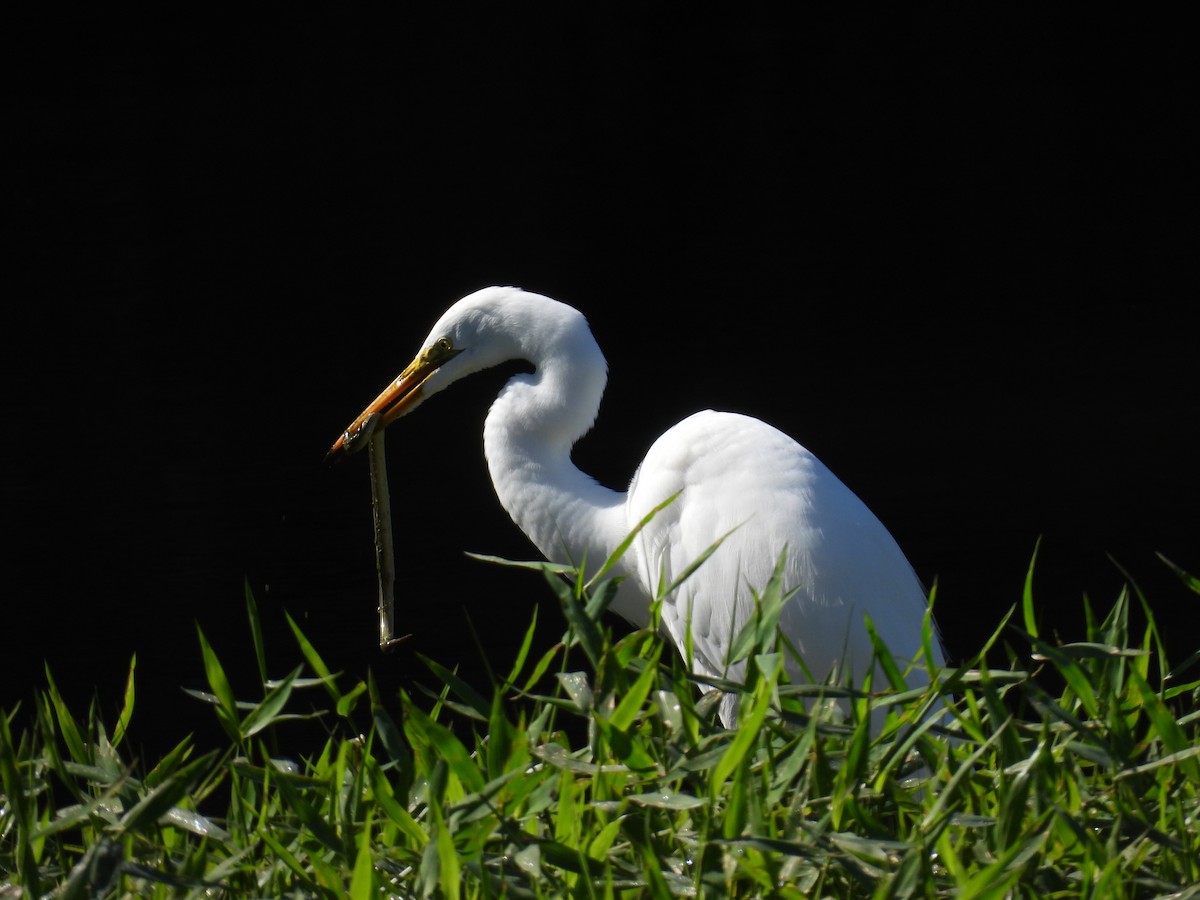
(598, 769)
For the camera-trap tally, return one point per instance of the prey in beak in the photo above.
(398, 398)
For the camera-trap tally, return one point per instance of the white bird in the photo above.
(736, 477)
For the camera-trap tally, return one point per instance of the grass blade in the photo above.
(227, 712)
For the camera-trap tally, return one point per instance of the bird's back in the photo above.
(758, 491)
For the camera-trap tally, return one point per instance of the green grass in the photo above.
(599, 770)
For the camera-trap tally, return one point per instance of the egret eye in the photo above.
(439, 351)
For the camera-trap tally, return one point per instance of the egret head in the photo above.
(481, 330)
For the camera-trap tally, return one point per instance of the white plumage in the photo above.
(736, 477)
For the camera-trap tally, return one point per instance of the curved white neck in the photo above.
(527, 438)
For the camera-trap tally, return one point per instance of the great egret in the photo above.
(736, 477)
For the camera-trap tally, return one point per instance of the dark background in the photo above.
(952, 251)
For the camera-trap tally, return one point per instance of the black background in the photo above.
(950, 250)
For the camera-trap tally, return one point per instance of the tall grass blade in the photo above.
(67, 726)
(256, 635)
(1027, 593)
(127, 702)
(227, 712)
(362, 879)
(623, 547)
(268, 711)
(314, 659)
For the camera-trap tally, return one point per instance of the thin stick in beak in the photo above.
(385, 565)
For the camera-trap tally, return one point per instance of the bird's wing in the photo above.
(757, 491)
(740, 482)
